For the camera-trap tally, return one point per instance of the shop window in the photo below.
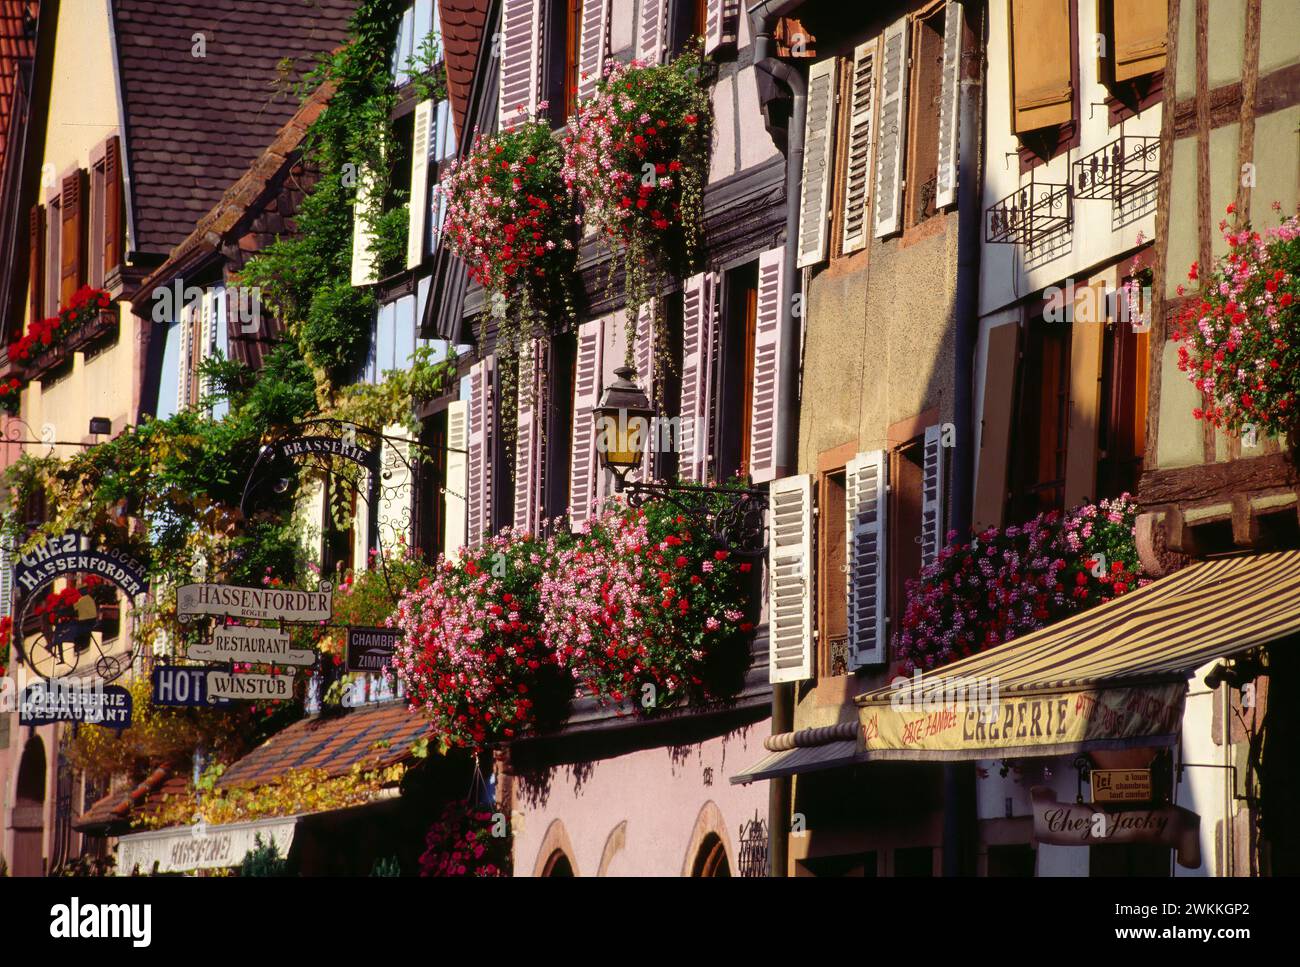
(1044, 78)
(1015, 860)
(1129, 860)
(1037, 472)
(914, 861)
(850, 864)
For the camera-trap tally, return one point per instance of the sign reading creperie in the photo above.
(1046, 724)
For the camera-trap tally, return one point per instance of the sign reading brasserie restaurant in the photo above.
(1068, 824)
(370, 649)
(253, 604)
(75, 700)
(265, 646)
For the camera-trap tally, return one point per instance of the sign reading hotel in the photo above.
(252, 604)
(1120, 785)
(1070, 824)
(1041, 724)
(263, 646)
(252, 688)
(182, 686)
(304, 446)
(63, 556)
(371, 649)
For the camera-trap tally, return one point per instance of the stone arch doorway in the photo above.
(711, 860)
(29, 811)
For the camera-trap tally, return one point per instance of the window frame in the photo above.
(916, 119)
(829, 579)
(1018, 498)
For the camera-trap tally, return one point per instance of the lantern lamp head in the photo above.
(623, 418)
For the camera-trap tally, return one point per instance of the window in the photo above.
(1044, 77)
(557, 864)
(1039, 443)
(98, 179)
(431, 503)
(832, 568)
(53, 233)
(736, 379)
(1121, 443)
(712, 858)
(572, 55)
(905, 499)
(923, 131)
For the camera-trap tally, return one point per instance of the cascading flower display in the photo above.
(1007, 582)
(462, 843)
(1241, 334)
(644, 607)
(44, 334)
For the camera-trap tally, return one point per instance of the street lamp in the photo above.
(623, 420)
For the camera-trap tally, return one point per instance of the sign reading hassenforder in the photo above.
(253, 604)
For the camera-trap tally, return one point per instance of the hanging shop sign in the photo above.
(371, 649)
(1120, 785)
(305, 446)
(255, 688)
(200, 847)
(263, 646)
(63, 556)
(182, 686)
(1080, 824)
(253, 604)
(87, 701)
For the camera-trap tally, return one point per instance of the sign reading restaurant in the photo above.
(253, 604)
(265, 646)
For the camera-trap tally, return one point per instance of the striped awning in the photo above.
(1111, 677)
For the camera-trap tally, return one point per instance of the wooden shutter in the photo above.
(521, 47)
(1000, 367)
(36, 262)
(699, 371)
(363, 256)
(861, 143)
(6, 586)
(646, 376)
(114, 209)
(950, 108)
(719, 23)
(418, 209)
(933, 496)
(482, 448)
(591, 50)
(1140, 36)
(1042, 91)
(530, 434)
(865, 505)
(819, 140)
(455, 530)
(396, 494)
(72, 262)
(1085, 401)
(183, 366)
(207, 340)
(766, 422)
(789, 562)
(584, 463)
(651, 24)
(892, 141)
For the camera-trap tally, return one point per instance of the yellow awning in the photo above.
(1111, 677)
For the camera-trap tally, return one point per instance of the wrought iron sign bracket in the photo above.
(735, 518)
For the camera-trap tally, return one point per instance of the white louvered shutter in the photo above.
(720, 23)
(893, 130)
(790, 587)
(521, 47)
(861, 145)
(418, 208)
(950, 109)
(530, 435)
(591, 53)
(6, 583)
(363, 255)
(457, 488)
(866, 488)
(183, 369)
(819, 140)
(645, 377)
(932, 495)
(652, 21)
(207, 339)
(584, 464)
(699, 362)
(396, 491)
(482, 448)
(766, 425)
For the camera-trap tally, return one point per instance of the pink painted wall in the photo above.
(662, 795)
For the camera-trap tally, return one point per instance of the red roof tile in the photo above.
(462, 36)
(116, 810)
(17, 43)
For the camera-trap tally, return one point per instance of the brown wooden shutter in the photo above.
(36, 262)
(1086, 334)
(1042, 92)
(1000, 368)
(1139, 37)
(114, 220)
(72, 260)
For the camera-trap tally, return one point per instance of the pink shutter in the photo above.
(584, 467)
(650, 30)
(530, 436)
(645, 371)
(521, 45)
(720, 24)
(699, 362)
(591, 54)
(482, 447)
(764, 426)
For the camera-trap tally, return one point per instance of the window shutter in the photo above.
(36, 261)
(646, 377)
(207, 339)
(457, 488)
(584, 466)
(184, 366)
(699, 362)
(418, 208)
(720, 23)
(819, 137)
(6, 583)
(766, 424)
(591, 53)
(521, 45)
(396, 493)
(866, 489)
(530, 434)
(363, 256)
(482, 448)
(114, 233)
(651, 22)
(72, 274)
(1000, 369)
(1085, 404)
(1042, 91)
(933, 496)
(862, 133)
(1140, 36)
(950, 108)
(789, 561)
(893, 130)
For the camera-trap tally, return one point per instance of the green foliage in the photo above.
(389, 401)
(336, 331)
(389, 242)
(388, 866)
(263, 860)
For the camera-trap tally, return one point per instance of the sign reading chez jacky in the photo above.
(1071, 824)
(370, 649)
(253, 604)
(265, 646)
(1046, 724)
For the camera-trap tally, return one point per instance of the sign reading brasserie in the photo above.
(264, 646)
(1068, 824)
(303, 446)
(62, 556)
(1120, 785)
(370, 649)
(264, 688)
(64, 700)
(252, 604)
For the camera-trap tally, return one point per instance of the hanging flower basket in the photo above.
(1241, 336)
(461, 843)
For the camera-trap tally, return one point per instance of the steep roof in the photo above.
(200, 112)
(462, 36)
(16, 44)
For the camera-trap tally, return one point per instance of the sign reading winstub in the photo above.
(253, 604)
(264, 688)
(371, 649)
(264, 646)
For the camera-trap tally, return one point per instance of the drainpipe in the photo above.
(960, 823)
(775, 80)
